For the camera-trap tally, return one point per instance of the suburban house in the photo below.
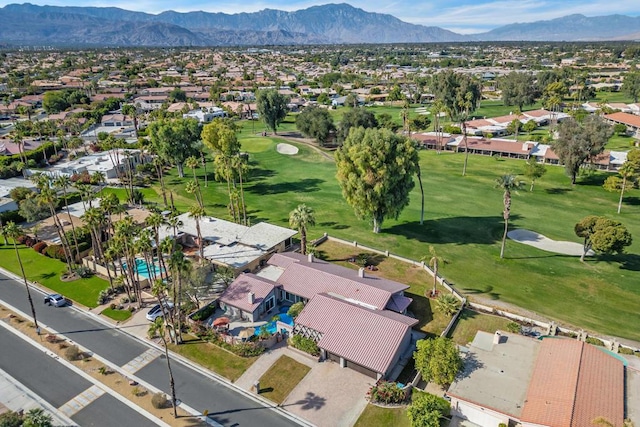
(554, 382)
(205, 115)
(116, 120)
(356, 318)
(227, 244)
(110, 163)
(631, 121)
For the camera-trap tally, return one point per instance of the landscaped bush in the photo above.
(248, 349)
(625, 350)
(386, 392)
(84, 272)
(51, 250)
(40, 247)
(159, 400)
(30, 241)
(305, 344)
(513, 327)
(21, 239)
(594, 341)
(103, 297)
(72, 353)
(203, 313)
(295, 309)
(454, 130)
(11, 216)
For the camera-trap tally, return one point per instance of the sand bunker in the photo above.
(287, 149)
(539, 241)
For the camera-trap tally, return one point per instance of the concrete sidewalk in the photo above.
(17, 397)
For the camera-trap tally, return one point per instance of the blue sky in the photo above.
(464, 16)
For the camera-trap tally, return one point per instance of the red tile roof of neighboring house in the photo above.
(366, 337)
(572, 384)
(508, 118)
(237, 294)
(625, 118)
(499, 145)
(479, 123)
(536, 113)
(307, 279)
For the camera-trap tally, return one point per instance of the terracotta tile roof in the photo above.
(307, 279)
(237, 294)
(366, 337)
(499, 145)
(624, 118)
(572, 384)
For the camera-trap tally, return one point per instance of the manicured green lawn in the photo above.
(375, 416)
(213, 357)
(281, 378)
(471, 322)
(115, 314)
(47, 271)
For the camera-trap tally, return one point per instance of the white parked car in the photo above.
(55, 300)
(159, 311)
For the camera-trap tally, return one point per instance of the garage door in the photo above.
(359, 368)
(478, 416)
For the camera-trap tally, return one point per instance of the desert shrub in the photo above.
(10, 419)
(159, 400)
(84, 272)
(51, 338)
(40, 247)
(21, 239)
(248, 349)
(305, 344)
(625, 350)
(72, 353)
(30, 241)
(513, 327)
(594, 341)
(103, 297)
(386, 392)
(103, 370)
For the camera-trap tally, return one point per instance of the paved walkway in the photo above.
(16, 397)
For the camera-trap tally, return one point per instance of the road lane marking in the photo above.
(76, 404)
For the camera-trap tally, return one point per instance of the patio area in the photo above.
(241, 328)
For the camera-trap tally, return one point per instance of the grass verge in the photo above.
(471, 321)
(375, 416)
(281, 378)
(117, 315)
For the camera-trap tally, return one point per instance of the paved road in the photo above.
(226, 406)
(58, 384)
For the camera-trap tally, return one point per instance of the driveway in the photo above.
(330, 395)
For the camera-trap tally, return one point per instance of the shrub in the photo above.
(51, 338)
(21, 239)
(204, 312)
(14, 216)
(159, 400)
(625, 350)
(447, 304)
(10, 419)
(427, 409)
(72, 353)
(103, 370)
(454, 130)
(30, 241)
(513, 327)
(40, 247)
(103, 297)
(305, 344)
(84, 272)
(594, 341)
(248, 349)
(386, 392)
(295, 309)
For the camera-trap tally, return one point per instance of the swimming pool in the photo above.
(272, 327)
(142, 268)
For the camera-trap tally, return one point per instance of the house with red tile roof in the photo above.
(554, 382)
(357, 318)
(631, 121)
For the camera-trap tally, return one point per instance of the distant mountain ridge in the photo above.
(28, 24)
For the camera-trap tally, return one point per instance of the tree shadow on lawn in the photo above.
(253, 216)
(629, 262)
(488, 290)
(306, 185)
(592, 179)
(558, 190)
(462, 230)
(631, 201)
(421, 308)
(257, 173)
(333, 225)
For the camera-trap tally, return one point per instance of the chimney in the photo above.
(361, 272)
(310, 257)
(497, 337)
(252, 297)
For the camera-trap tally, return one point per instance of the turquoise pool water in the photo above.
(273, 328)
(144, 269)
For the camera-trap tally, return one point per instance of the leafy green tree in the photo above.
(31, 210)
(272, 107)
(529, 126)
(395, 94)
(375, 172)
(518, 89)
(355, 118)
(175, 140)
(419, 122)
(316, 123)
(620, 129)
(602, 235)
(295, 309)
(427, 409)
(178, 95)
(301, 218)
(460, 95)
(514, 127)
(323, 99)
(631, 84)
(534, 170)
(386, 121)
(438, 360)
(351, 100)
(579, 142)
(507, 183)
(54, 101)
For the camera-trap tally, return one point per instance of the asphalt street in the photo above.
(58, 384)
(226, 406)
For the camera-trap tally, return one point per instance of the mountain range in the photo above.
(31, 25)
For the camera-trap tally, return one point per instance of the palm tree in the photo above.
(131, 111)
(436, 109)
(158, 328)
(507, 183)
(155, 220)
(193, 162)
(433, 261)
(301, 218)
(49, 198)
(197, 212)
(179, 265)
(14, 231)
(447, 304)
(64, 182)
